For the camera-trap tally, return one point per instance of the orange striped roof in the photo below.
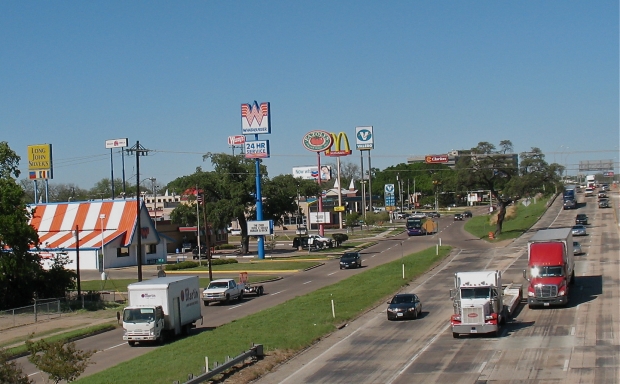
(56, 223)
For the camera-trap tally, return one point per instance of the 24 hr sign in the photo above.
(256, 149)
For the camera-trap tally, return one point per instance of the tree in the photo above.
(60, 360)
(19, 268)
(10, 373)
(280, 195)
(536, 176)
(485, 167)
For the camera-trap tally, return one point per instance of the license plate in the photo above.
(474, 330)
(399, 314)
(546, 304)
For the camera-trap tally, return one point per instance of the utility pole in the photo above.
(154, 198)
(139, 151)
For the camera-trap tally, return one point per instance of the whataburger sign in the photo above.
(338, 140)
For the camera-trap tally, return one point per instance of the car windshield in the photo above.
(139, 315)
(476, 293)
(218, 284)
(404, 299)
(547, 272)
(349, 256)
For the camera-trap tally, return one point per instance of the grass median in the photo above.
(307, 318)
(519, 218)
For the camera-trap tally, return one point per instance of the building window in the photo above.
(151, 249)
(122, 252)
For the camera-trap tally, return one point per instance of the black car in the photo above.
(404, 306)
(203, 252)
(351, 260)
(458, 216)
(300, 241)
(467, 214)
(434, 215)
(581, 219)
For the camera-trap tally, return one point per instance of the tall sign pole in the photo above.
(318, 141)
(111, 144)
(365, 141)
(40, 166)
(255, 120)
(340, 144)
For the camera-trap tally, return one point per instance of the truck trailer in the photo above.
(161, 307)
(551, 267)
(481, 303)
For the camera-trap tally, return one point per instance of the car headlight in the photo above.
(411, 309)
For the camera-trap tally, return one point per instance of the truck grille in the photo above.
(472, 315)
(546, 291)
(138, 332)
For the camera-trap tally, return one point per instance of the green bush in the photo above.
(182, 265)
(340, 238)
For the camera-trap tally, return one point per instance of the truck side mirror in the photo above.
(451, 294)
(525, 275)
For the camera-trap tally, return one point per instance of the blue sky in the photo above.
(430, 76)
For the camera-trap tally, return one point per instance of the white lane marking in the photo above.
(329, 274)
(565, 365)
(308, 282)
(482, 367)
(114, 346)
(277, 292)
(316, 358)
(414, 358)
(235, 306)
(572, 331)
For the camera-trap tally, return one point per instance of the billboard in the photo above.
(338, 141)
(312, 172)
(236, 140)
(317, 141)
(255, 119)
(116, 143)
(40, 161)
(364, 138)
(258, 228)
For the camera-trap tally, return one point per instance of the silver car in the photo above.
(579, 230)
(577, 248)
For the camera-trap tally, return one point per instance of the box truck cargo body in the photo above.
(160, 307)
(551, 267)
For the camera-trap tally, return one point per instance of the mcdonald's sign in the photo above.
(338, 140)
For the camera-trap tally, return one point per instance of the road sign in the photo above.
(390, 200)
(608, 174)
(389, 189)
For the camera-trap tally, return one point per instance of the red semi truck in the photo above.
(551, 267)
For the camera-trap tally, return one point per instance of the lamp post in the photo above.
(436, 183)
(103, 274)
(299, 246)
(154, 198)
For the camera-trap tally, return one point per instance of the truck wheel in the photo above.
(260, 291)
(227, 298)
(572, 278)
(455, 335)
(240, 297)
(161, 339)
(131, 343)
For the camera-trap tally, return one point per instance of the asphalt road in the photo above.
(111, 349)
(576, 344)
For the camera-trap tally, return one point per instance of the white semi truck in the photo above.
(161, 307)
(481, 303)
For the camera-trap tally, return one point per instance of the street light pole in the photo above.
(103, 274)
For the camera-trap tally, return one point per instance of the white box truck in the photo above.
(161, 307)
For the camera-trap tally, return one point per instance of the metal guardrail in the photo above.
(255, 351)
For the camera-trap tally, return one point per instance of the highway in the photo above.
(576, 344)
(111, 350)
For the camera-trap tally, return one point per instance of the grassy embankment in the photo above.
(308, 318)
(519, 218)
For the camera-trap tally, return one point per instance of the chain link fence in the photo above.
(48, 309)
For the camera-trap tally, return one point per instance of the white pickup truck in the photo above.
(222, 291)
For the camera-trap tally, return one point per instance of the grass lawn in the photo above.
(308, 318)
(514, 226)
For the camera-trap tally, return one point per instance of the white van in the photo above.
(589, 192)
